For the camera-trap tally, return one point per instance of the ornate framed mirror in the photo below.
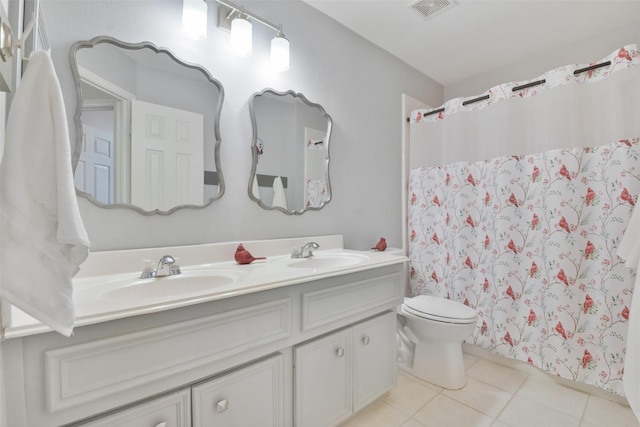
(147, 126)
(290, 149)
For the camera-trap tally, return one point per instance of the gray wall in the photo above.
(358, 84)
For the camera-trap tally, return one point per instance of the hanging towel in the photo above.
(42, 238)
(279, 198)
(629, 250)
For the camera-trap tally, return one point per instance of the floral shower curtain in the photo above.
(529, 241)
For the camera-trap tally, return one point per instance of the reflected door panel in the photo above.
(167, 144)
(94, 172)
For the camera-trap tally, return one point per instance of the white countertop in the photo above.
(101, 288)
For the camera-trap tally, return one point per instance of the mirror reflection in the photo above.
(290, 152)
(148, 128)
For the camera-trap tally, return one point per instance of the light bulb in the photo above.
(280, 53)
(194, 19)
(241, 36)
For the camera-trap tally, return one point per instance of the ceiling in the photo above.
(477, 36)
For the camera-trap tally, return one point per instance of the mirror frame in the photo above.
(254, 149)
(79, 130)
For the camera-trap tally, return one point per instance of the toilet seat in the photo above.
(439, 309)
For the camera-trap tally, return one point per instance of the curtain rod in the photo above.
(517, 88)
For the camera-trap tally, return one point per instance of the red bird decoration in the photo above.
(564, 225)
(586, 358)
(470, 180)
(243, 256)
(434, 276)
(564, 172)
(625, 313)
(484, 328)
(534, 269)
(589, 197)
(510, 293)
(512, 246)
(468, 263)
(626, 142)
(414, 198)
(563, 277)
(534, 221)
(535, 174)
(589, 249)
(508, 339)
(469, 221)
(485, 286)
(588, 303)
(436, 200)
(486, 241)
(530, 361)
(560, 330)
(627, 197)
(487, 198)
(532, 317)
(381, 245)
(624, 53)
(513, 200)
(435, 238)
(447, 179)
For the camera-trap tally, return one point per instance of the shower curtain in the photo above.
(517, 205)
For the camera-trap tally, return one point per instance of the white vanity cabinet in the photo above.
(252, 396)
(227, 362)
(339, 374)
(173, 410)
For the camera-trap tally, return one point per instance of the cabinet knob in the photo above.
(222, 406)
(340, 352)
(365, 340)
(163, 424)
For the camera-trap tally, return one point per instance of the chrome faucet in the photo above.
(167, 266)
(305, 251)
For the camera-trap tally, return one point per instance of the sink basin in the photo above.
(322, 261)
(187, 283)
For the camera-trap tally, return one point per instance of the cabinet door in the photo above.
(173, 410)
(251, 396)
(323, 380)
(374, 355)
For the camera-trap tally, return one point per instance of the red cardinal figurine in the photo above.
(243, 256)
(381, 245)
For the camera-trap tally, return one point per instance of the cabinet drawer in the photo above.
(173, 410)
(251, 396)
(328, 305)
(114, 367)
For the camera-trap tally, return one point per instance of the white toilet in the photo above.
(437, 326)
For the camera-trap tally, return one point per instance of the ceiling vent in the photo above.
(429, 8)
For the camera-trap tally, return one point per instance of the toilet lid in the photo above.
(441, 309)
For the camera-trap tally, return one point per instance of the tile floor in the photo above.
(495, 396)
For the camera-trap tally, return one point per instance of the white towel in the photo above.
(43, 241)
(629, 250)
(279, 198)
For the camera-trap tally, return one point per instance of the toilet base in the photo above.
(440, 364)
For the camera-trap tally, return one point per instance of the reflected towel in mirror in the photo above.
(279, 196)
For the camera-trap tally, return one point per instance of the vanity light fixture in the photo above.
(241, 36)
(237, 20)
(280, 52)
(194, 19)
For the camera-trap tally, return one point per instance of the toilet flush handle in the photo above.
(365, 340)
(340, 352)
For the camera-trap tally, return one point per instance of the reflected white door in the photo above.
(94, 173)
(168, 156)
